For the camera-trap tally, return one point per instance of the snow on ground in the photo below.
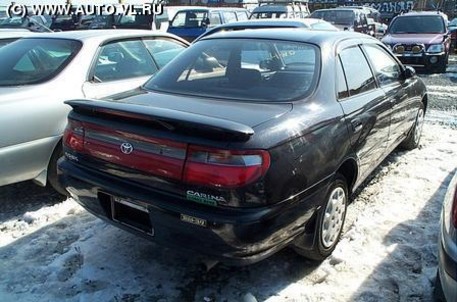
(58, 252)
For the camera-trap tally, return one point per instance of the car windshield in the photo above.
(241, 69)
(32, 61)
(453, 22)
(417, 25)
(341, 17)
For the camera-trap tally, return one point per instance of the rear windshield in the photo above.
(32, 61)
(417, 25)
(340, 17)
(241, 69)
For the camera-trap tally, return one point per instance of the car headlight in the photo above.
(436, 48)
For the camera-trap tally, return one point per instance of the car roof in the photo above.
(422, 13)
(263, 24)
(11, 33)
(298, 23)
(101, 35)
(291, 34)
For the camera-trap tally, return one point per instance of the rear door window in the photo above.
(163, 51)
(358, 73)
(123, 59)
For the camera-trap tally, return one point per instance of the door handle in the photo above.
(356, 125)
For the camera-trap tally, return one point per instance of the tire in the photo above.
(52, 171)
(438, 293)
(412, 140)
(329, 223)
(442, 68)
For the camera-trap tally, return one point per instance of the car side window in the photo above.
(214, 18)
(358, 73)
(163, 51)
(241, 16)
(387, 70)
(342, 86)
(122, 60)
(229, 16)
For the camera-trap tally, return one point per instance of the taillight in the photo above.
(224, 168)
(454, 208)
(73, 136)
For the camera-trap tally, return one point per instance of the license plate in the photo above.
(131, 213)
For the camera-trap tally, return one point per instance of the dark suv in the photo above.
(345, 18)
(420, 39)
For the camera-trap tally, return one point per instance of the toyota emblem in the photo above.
(126, 148)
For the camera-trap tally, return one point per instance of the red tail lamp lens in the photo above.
(224, 168)
(73, 136)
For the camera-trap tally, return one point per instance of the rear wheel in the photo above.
(329, 223)
(413, 138)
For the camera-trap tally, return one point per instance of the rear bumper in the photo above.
(234, 236)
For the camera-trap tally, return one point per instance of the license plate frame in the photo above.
(131, 213)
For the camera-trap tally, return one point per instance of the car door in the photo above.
(388, 73)
(366, 109)
(126, 64)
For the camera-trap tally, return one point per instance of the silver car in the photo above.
(40, 72)
(446, 280)
(10, 35)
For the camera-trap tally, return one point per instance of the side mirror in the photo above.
(409, 72)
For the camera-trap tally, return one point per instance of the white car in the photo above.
(10, 35)
(40, 72)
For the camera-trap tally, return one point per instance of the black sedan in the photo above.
(248, 142)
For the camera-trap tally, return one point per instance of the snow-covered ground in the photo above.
(388, 253)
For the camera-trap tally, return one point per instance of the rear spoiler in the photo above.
(172, 120)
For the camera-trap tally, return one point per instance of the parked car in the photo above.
(420, 39)
(33, 23)
(104, 21)
(3, 14)
(307, 23)
(446, 280)
(10, 35)
(270, 9)
(141, 21)
(189, 23)
(41, 71)
(452, 26)
(248, 142)
(345, 18)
